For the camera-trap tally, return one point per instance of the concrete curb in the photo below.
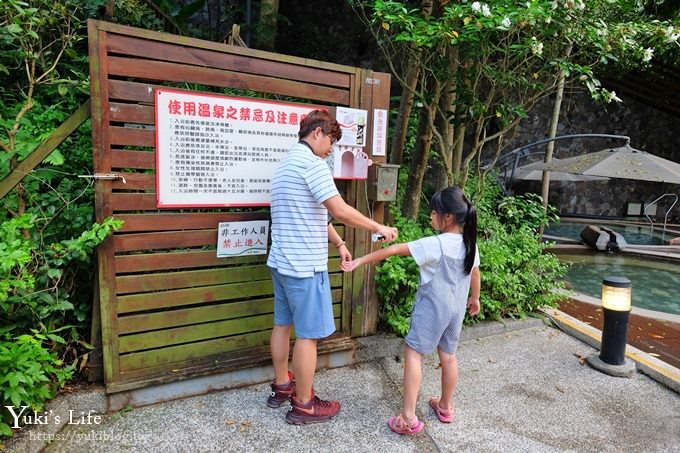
(656, 369)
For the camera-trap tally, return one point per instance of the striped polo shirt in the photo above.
(301, 183)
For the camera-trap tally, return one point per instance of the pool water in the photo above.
(656, 284)
(633, 234)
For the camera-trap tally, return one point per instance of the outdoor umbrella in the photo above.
(623, 162)
(534, 172)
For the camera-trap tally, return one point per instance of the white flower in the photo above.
(506, 22)
(613, 97)
(580, 6)
(554, 5)
(485, 10)
(476, 7)
(536, 46)
(671, 36)
(649, 52)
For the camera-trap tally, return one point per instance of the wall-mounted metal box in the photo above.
(384, 185)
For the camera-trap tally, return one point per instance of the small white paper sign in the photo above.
(379, 132)
(353, 126)
(242, 238)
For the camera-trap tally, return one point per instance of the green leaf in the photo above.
(56, 338)
(5, 429)
(14, 29)
(54, 273)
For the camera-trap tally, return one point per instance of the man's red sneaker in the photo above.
(315, 410)
(281, 392)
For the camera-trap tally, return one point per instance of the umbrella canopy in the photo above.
(624, 162)
(534, 172)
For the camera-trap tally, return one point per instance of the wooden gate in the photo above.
(169, 308)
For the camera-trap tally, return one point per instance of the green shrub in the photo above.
(517, 275)
(30, 375)
(397, 278)
(37, 279)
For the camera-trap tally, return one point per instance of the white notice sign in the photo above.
(242, 238)
(214, 150)
(353, 126)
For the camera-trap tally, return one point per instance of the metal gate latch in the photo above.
(105, 176)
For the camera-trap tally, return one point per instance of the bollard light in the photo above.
(616, 296)
(616, 307)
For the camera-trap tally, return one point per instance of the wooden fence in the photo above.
(169, 308)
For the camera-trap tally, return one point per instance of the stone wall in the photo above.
(650, 130)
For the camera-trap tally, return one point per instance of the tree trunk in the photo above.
(421, 154)
(405, 107)
(266, 37)
(457, 159)
(554, 122)
(440, 178)
(447, 113)
(407, 97)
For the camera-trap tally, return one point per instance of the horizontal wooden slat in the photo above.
(157, 70)
(129, 136)
(178, 260)
(207, 331)
(135, 181)
(127, 284)
(185, 260)
(133, 159)
(188, 221)
(164, 240)
(133, 91)
(172, 354)
(192, 296)
(188, 279)
(125, 45)
(188, 334)
(186, 316)
(146, 359)
(131, 113)
(216, 363)
(205, 294)
(175, 318)
(117, 29)
(133, 201)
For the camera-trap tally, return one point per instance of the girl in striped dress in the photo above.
(449, 283)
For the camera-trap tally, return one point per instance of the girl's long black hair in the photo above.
(453, 201)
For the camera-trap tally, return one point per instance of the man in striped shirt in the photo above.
(303, 192)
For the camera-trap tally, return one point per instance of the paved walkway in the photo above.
(522, 391)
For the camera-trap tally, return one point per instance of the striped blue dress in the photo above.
(441, 301)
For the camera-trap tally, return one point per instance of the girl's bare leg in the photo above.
(449, 365)
(412, 378)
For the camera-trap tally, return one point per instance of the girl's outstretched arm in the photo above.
(378, 255)
(475, 285)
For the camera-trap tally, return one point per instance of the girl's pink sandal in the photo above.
(401, 426)
(443, 415)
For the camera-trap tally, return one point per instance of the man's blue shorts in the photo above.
(304, 303)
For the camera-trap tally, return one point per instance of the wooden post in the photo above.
(45, 148)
